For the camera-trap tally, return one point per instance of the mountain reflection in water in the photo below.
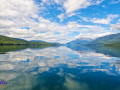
(60, 68)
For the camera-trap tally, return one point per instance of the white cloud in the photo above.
(61, 17)
(59, 1)
(72, 14)
(16, 14)
(103, 6)
(85, 19)
(44, 1)
(114, 1)
(115, 27)
(101, 21)
(98, 2)
(107, 20)
(14, 8)
(94, 36)
(70, 6)
(73, 5)
(6, 23)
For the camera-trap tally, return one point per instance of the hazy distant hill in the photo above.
(37, 41)
(12, 41)
(109, 39)
(79, 41)
(112, 41)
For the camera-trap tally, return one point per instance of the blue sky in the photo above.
(59, 20)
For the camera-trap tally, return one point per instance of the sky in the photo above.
(59, 20)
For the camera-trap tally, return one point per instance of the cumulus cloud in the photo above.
(15, 8)
(73, 5)
(17, 14)
(14, 14)
(94, 36)
(107, 20)
(61, 17)
(115, 27)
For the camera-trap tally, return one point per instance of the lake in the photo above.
(74, 67)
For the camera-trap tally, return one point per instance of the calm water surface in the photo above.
(61, 68)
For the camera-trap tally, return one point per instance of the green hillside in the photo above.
(109, 39)
(6, 40)
(112, 41)
(11, 41)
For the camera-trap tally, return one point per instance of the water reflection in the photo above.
(60, 68)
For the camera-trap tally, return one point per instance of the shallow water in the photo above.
(60, 68)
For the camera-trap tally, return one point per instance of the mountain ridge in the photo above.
(108, 39)
(4, 40)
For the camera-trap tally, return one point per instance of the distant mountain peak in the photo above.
(107, 39)
(80, 41)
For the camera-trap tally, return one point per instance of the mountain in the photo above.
(7, 40)
(79, 41)
(37, 41)
(4, 40)
(109, 39)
